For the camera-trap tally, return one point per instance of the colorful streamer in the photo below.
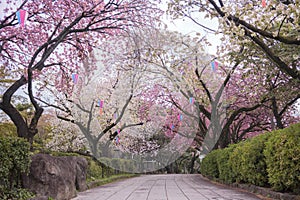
(179, 117)
(75, 78)
(100, 103)
(172, 126)
(119, 131)
(22, 16)
(214, 65)
(263, 3)
(101, 111)
(192, 100)
(117, 140)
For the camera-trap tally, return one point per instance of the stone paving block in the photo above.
(164, 187)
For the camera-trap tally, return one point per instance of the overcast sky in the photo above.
(187, 26)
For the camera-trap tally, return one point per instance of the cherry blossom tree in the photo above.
(101, 106)
(64, 137)
(283, 101)
(56, 38)
(265, 43)
(170, 57)
(268, 33)
(279, 109)
(227, 105)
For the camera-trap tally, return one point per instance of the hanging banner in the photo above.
(214, 66)
(75, 78)
(263, 3)
(117, 140)
(22, 16)
(179, 117)
(101, 111)
(100, 103)
(192, 100)
(172, 126)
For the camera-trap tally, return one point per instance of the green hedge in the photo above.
(94, 170)
(107, 170)
(235, 162)
(270, 159)
(248, 161)
(283, 159)
(209, 165)
(102, 168)
(226, 174)
(15, 160)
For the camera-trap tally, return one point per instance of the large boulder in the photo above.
(56, 177)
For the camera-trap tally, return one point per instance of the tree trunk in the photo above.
(11, 111)
(24, 130)
(94, 148)
(193, 163)
(276, 114)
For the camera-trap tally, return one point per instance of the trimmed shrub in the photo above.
(15, 160)
(235, 161)
(248, 161)
(94, 170)
(209, 165)
(269, 159)
(283, 159)
(226, 173)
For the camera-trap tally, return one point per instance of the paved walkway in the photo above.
(164, 187)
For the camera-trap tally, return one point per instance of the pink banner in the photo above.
(22, 16)
(75, 78)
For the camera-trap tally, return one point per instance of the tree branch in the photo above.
(291, 102)
(204, 86)
(238, 21)
(66, 119)
(294, 73)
